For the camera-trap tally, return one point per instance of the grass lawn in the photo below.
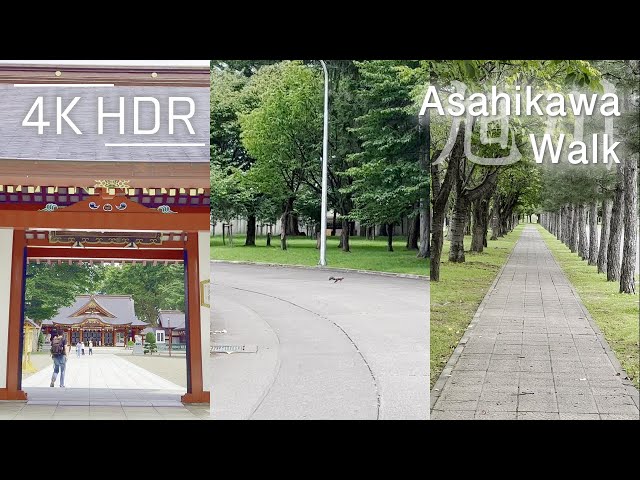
(365, 254)
(616, 314)
(456, 297)
(173, 369)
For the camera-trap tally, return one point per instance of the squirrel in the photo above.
(336, 279)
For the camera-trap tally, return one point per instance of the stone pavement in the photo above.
(29, 411)
(533, 352)
(102, 387)
(104, 371)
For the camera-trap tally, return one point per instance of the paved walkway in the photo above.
(102, 387)
(104, 371)
(357, 349)
(533, 352)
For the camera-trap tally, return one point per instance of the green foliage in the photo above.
(387, 180)
(283, 131)
(51, 287)
(521, 181)
(152, 287)
(245, 67)
(150, 345)
(228, 196)
(40, 341)
(308, 206)
(267, 211)
(226, 100)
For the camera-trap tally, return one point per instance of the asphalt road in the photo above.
(356, 349)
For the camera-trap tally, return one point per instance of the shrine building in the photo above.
(106, 320)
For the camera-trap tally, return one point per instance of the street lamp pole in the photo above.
(325, 147)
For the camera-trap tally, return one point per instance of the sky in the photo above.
(142, 63)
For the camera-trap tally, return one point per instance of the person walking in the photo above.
(78, 349)
(82, 347)
(90, 347)
(59, 355)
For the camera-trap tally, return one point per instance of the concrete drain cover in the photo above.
(234, 349)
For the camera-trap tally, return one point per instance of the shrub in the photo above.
(150, 343)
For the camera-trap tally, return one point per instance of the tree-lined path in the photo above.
(533, 352)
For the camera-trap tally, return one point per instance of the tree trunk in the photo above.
(479, 214)
(629, 251)
(283, 230)
(414, 232)
(560, 223)
(344, 236)
(487, 215)
(458, 224)
(495, 218)
(563, 224)
(333, 224)
(575, 228)
(440, 198)
(316, 229)
(593, 234)
(437, 241)
(615, 229)
(230, 234)
(424, 204)
(292, 219)
(583, 243)
(467, 223)
(390, 237)
(425, 229)
(383, 230)
(224, 241)
(293, 224)
(251, 232)
(604, 235)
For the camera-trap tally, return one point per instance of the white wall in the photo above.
(6, 249)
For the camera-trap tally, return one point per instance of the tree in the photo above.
(283, 134)
(267, 214)
(152, 287)
(150, 345)
(475, 181)
(387, 179)
(228, 197)
(51, 287)
(626, 75)
(228, 155)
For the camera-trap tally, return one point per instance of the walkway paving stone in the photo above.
(533, 352)
(102, 387)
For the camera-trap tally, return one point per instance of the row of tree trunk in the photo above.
(619, 220)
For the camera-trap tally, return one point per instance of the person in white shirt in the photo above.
(90, 347)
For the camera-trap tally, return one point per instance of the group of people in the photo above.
(59, 352)
(80, 348)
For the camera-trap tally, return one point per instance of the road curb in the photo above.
(327, 269)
